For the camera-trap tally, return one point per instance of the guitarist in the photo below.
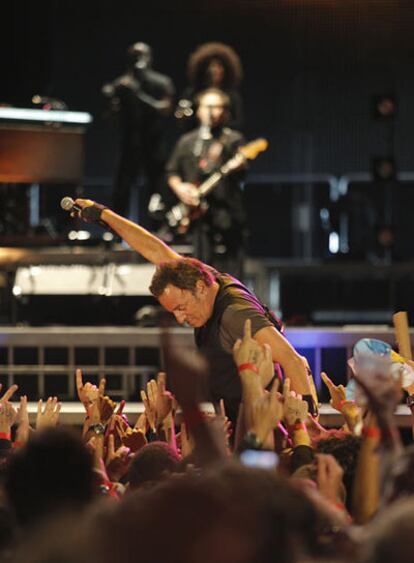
(218, 234)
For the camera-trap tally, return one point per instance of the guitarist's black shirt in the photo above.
(233, 305)
(195, 159)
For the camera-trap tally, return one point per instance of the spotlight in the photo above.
(384, 106)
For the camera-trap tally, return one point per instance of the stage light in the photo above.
(333, 242)
(384, 106)
(383, 168)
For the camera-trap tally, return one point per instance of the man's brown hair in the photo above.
(183, 273)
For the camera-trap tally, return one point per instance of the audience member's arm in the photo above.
(330, 485)
(266, 413)
(295, 413)
(248, 355)
(47, 414)
(383, 394)
(349, 409)
(116, 461)
(23, 427)
(292, 363)
(410, 390)
(8, 416)
(381, 444)
(366, 494)
(266, 367)
(184, 375)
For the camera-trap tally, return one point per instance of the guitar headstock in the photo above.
(251, 150)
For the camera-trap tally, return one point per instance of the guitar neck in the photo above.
(206, 187)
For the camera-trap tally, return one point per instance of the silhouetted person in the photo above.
(142, 98)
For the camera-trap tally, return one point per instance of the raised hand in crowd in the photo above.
(267, 412)
(315, 429)
(134, 439)
(99, 407)
(117, 425)
(9, 393)
(149, 399)
(295, 410)
(8, 416)
(295, 415)
(122, 434)
(383, 393)
(23, 426)
(329, 478)
(227, 426)
(337, 392)
(348, 408)
(186, 444)
(158, 403)
(88, 393)
(248, 354)
(48, 413)
(117, 460)
(185, 377)
(247, 351)
(367, 483)
(266, 366)
(381, 443)
(164, 399)
(329, 496)
(141, 423)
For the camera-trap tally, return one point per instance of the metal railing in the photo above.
(134, 345)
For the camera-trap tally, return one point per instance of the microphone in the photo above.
(90, 213)
(67, 204)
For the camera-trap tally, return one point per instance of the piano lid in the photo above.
(55, 116)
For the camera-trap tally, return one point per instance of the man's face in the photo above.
(186, 306)
(211, 111)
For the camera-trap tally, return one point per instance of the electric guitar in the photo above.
(181, 216)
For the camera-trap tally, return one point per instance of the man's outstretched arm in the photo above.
(145, 243)
(284, 354)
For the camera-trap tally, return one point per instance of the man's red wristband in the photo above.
(249, 366)
(5, 436)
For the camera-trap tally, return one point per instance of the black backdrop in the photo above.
(311, 67)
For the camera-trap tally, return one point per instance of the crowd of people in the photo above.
(183, 483)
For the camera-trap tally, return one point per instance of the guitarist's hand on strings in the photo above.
(187, 193)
